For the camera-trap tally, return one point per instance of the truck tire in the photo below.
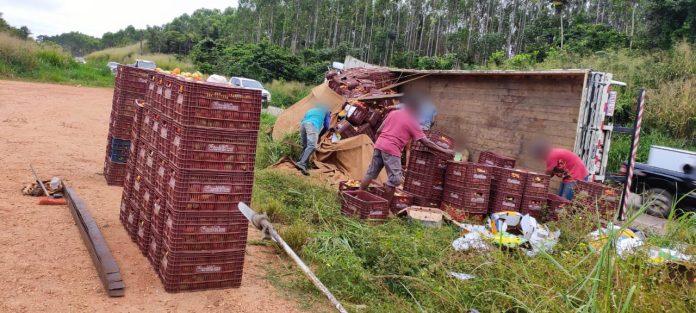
(659, 202)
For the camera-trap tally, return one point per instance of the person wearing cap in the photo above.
(562, 163)
(315, 122)
(399, 128)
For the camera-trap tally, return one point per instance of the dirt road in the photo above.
(44, 265)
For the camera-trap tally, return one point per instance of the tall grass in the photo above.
(399, 266)
(130, 53)
(285, 94)
(26, 59)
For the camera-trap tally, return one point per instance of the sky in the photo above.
(95, 17)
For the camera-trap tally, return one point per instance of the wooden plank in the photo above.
(102, 258)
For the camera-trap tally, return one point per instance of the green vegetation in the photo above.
(287, 93)
(26, 59)
(128, 55)
(403, 267)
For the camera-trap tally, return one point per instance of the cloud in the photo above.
(95, 17)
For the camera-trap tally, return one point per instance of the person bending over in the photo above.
(315, 122)
(562, 163)
(398, 128)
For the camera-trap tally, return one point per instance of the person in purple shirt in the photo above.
(398, 128)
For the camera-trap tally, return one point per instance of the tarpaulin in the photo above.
(289, 120)
(344, 160)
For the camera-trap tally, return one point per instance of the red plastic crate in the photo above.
(345, 129)
(472, 200)
(144, 232)
(201, 270)
(494, 159)
(400, 200)
(427, 202)
(228, 233)
(359, 115)
(197, 149)
(460, 214)
(364, 205)
(537, 184)
(205, 191)
(534, 206)
(218, 106)
(509, 179)
(424, 186)
(505, 201)
(467, 174)
(426, 163)
(438, 138)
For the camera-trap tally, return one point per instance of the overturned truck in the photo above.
(502, 111)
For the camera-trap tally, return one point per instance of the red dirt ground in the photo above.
(44, 265)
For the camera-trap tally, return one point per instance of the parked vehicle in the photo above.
(113, 66)
(666, 181)
(80, 60)
(145, 64)
(251, 84)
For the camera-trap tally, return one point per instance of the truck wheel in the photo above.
(659, 202)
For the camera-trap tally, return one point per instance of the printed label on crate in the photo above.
(159, 90)
(153, 246)
(168, 93)
(514, 181)
(164, 262)
(141, 231)
(377, 213)
(146, 120)
(212, 229)
(217, 189)
(416, 183)
(132, 148)
(127, 176)
(509, 204)
(180, 99)
(437, 187)
(478, 198)
(156, 208)
(208, 268)
(172, 182)
(480, 176)
(142, 80)
(454, 195)
(146, 197)
(220, 148)
(136, 186)
(123, 207)
(534, 205)
(538, 185)
(155, 126)
(130, 218)
(141, 153)
(152, 86)
(177, 141)
(163, 132)
(457, 173)
(160, 171)
(420, 161)
(217, 105)
(352, 208)
(489, 162)
(149, 161)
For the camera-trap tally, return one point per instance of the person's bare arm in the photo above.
(433, 146)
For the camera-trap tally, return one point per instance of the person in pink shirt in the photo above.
(565, 164)
(398, 128)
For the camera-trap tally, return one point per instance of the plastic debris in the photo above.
(499, 230)
(664, 255)
(461, 276)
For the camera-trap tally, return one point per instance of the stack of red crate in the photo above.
(131, 83)
(598, 197)
(535, 201)
(467, 190)
(507, 189)
(194, 164)
(425, 173)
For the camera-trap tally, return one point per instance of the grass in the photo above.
(28, 60)
(399, 266)
(128, 54)
(285, 94)
(402, 267)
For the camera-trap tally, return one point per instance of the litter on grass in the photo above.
(508, 229)
(461, 276)
(630, 241)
